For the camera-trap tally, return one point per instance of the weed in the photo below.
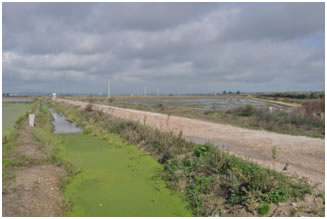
(321, 195)
(279, 195)
(293, 212)
(263, 209)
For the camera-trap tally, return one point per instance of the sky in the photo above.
(176, 47)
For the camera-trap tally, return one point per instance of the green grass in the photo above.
(264, 209)
(11, 112)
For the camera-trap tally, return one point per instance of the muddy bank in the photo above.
(300, 156)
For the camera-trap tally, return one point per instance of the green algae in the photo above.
(116, 179)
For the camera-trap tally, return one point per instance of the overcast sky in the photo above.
(178, 47)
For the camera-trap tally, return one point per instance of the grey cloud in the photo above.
(280, 21)
(185, 47)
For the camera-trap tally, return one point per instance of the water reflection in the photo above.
(61, 125)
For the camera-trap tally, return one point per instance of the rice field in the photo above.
(11, 112)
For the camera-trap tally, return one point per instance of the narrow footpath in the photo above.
(33, 189)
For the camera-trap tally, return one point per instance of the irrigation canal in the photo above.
(116, 179)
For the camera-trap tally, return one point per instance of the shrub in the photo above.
(88, 108)
(314, 106)
(247, 110)
(111, 99)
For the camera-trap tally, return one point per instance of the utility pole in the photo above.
(145, 91)
(108, 89)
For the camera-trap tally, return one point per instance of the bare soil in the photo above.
(299, 156)
(34, 191)
(27, 146)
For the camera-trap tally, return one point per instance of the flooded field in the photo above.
(18, 99)
(11, 112)
(204, 103)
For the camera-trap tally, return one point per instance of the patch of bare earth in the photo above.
(27, 146)
(299, 156)
(34, 191)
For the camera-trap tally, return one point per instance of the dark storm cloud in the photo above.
(181, 47)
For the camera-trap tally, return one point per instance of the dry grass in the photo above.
(312, 107)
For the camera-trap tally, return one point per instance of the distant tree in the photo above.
(224, 92)
(238, 92)
(230, 92)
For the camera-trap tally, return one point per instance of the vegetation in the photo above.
(9, 141)
(307, 120)
(292, 97)
(19, 114)
(52, 146)
(212, 181)
(296, 95)
(264, 209)
(294, 122)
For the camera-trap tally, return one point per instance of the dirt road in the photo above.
(299, 156)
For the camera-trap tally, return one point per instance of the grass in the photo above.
(294, 123)
(264, 209)
(203, 174)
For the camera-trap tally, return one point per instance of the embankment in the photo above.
(300, 156)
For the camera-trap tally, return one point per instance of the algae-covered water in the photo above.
(116, 179)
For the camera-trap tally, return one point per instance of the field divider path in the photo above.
(300, 156)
